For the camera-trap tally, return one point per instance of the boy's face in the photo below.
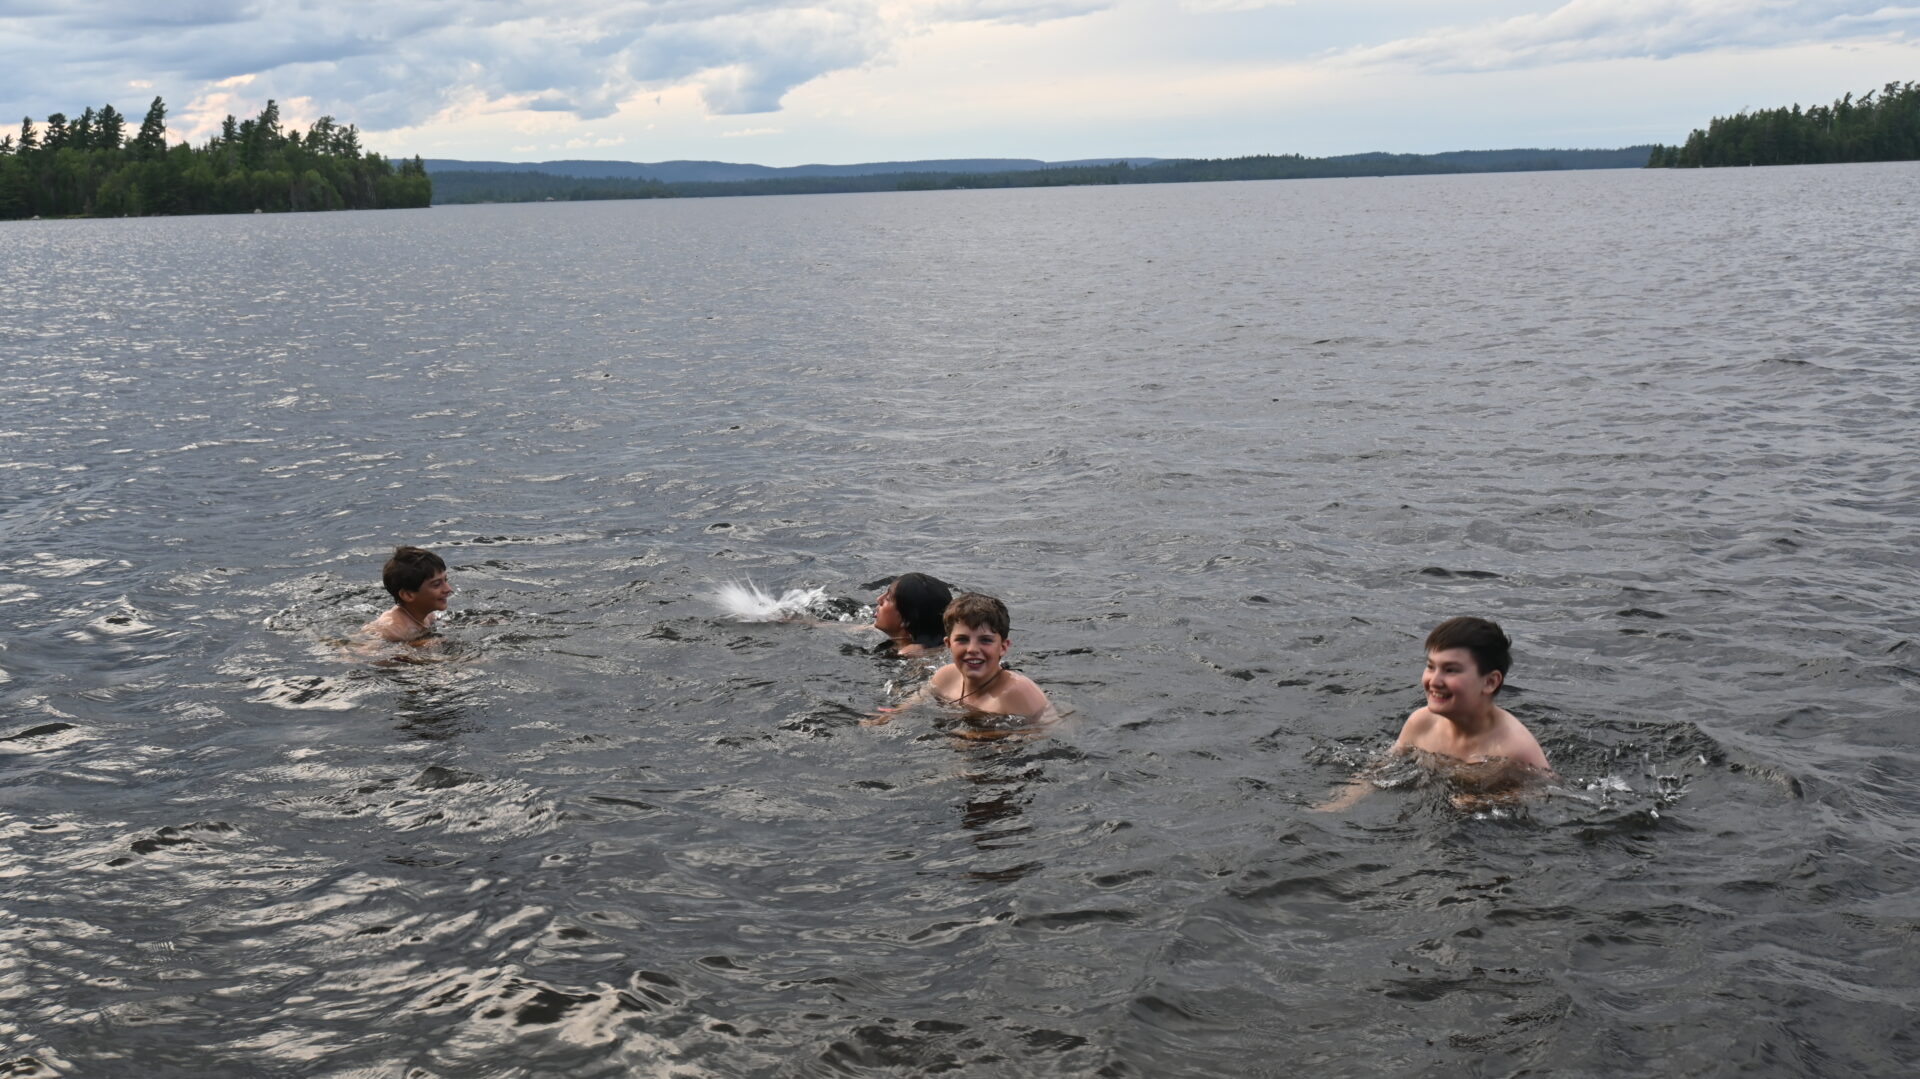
(432, 594)
(977, 651)
(1454, 684)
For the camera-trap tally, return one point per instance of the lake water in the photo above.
(1227, 451)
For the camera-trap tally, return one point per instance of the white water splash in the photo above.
(747, 603)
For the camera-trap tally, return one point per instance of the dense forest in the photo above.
(1879, 125)
(88, 166)
(459, 185)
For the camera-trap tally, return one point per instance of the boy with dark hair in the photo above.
(1467, 661)
(978, 629)
(416, 578)
(978, 636)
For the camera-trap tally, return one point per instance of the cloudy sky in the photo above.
(786, 82)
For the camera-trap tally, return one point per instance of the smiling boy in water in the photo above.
(978, 629)
(416, 578)
(1467, 661)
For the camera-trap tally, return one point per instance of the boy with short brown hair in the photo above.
(416, 578)
(978, 629)
(1467, 661)
(978, 632)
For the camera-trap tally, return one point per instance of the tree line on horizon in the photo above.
(89, 167)
(471, 185)
(1879, 125)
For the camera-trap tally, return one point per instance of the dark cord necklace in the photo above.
(984, 687)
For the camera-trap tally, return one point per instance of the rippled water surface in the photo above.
(1226, 450)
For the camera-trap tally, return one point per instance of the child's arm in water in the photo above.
(1357, 788)
(885, 714)
(1362, 782)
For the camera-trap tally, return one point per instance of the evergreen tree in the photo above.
(110, 130)
(151, 142)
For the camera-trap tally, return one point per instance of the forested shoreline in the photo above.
(465, 186)
(89, 167)
(1879, 125)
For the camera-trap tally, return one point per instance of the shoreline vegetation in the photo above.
(88, 167)
(454, 186)
(1850, 131)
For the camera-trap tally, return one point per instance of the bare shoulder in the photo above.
(1023, 697)
(946, 682)
(1419, 722)
(384, 628)
(1517, 743)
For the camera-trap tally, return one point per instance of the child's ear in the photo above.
(1495, 679)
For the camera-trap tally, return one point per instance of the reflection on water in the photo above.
(1226, 451)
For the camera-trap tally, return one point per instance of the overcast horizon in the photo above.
(791, 82)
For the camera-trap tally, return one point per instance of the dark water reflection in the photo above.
(1227, 451)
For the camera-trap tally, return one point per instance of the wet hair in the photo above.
(408, 569)
(977, 609)
(1486, 641)
(921, 601)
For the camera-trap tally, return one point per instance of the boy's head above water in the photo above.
(977, 629)
(409, 570)
(975, 610)
(1486, 646)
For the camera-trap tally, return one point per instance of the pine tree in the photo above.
(110, 129)
(151, 142)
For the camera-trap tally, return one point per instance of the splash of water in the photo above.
(748, 603)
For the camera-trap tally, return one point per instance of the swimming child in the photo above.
(1467, 661)
(978, 629)
(910, 613)
(416, 578)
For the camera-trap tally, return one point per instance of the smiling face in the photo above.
(1454, 685)
(432, 595)
(977, 651)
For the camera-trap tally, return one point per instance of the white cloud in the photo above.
(865, 79)
(1586, 30)
(385, 65)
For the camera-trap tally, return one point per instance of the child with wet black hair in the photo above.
(909, 612)
(416, 578)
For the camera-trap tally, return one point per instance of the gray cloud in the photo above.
(386, 65)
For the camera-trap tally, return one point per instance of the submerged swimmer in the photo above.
(978, 632)
(908, 610)
(416, 578)
(1479, 747)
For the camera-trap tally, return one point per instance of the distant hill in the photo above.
(551, 181)
(709, 172)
